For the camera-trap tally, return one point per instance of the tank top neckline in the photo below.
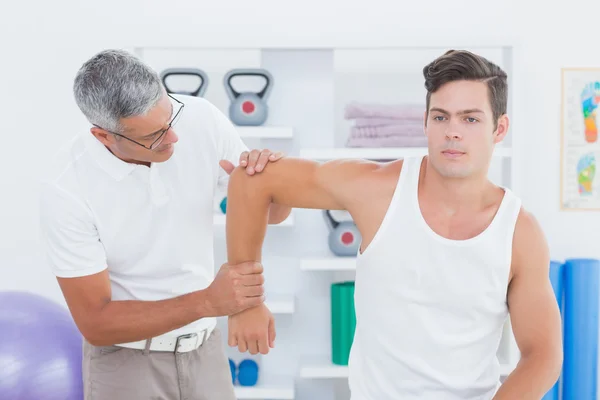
(414, 190)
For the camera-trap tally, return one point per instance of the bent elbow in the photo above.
(557, 364)
(248, 186)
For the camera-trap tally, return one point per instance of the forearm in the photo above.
(248, 206)
(533, 377)
(130, 321)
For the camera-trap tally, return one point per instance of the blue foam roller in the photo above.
(248, 373)
(556, 279)
(581, 304)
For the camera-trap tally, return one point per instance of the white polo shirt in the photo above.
(151, 227)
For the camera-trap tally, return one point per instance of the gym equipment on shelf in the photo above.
(248, 108)
(248, 373)
(198, 92)
(344, 236)
(343, 321)
(223, 205)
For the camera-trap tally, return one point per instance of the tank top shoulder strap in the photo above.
(411, 169)
(409, 179)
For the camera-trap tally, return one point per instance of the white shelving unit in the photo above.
(330, 263)
(324, 369)
(280, 303)
(265, 132)
(270, 387)
(313, 81)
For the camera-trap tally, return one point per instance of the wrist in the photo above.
(204, 307)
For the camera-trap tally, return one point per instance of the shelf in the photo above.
(273, 388)
(385, 153)
(323, 370)
(329, 263)
(280, 304)
(265, 132)
(219, 220)
(327, 370)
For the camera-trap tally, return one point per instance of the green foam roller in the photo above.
(343, 321)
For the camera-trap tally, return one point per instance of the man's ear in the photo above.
(102, 135)
(501, 129)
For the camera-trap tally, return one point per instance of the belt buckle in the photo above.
(189, 336)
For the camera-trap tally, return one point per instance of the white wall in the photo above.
(43, 47)
(44, 44)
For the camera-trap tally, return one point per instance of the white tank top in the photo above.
(430, 310)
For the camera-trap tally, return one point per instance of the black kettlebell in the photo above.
(199, 92)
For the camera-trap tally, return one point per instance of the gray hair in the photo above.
(115, 84)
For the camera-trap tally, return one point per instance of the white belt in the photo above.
(173, 344)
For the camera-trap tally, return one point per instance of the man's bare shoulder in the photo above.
(530, 248)
(371, 181)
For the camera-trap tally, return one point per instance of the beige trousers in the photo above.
(117, 373)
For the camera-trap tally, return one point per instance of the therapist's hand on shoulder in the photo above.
(252, 330)
(254, 161)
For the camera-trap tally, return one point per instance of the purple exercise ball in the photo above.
(40, 349)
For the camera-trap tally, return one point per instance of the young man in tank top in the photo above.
(446, 255)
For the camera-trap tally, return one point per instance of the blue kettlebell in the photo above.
(248, 373)
(344, 236)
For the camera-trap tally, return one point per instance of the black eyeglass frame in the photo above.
(162, 133)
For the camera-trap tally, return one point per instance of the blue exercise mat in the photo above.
(556, 279)
(581, 304)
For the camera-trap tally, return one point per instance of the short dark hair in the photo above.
(457, 65)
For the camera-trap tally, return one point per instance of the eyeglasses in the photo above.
(161, 134)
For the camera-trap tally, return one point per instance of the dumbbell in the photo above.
(246, 373)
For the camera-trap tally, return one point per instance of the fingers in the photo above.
(256, 160)
(263, 344)
(272, 332)
(244, 158)
(242, 346)
(252, 159)
(276, 156)
(249, 268)
(263, 159)
(253, 346)
(253, 291)
(253, 280)
(232, 340)
(227, 166)
(254, 301)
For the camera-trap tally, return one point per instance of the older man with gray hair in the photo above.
(127, 223)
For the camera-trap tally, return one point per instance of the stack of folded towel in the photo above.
(385, 125)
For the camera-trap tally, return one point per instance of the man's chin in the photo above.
(163, 154)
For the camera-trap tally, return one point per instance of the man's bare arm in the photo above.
(291, 182)
(534, 314)
(105, 322)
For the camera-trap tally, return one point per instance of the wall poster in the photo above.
(580, 144)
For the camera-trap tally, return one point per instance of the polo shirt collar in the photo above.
(110, 163)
